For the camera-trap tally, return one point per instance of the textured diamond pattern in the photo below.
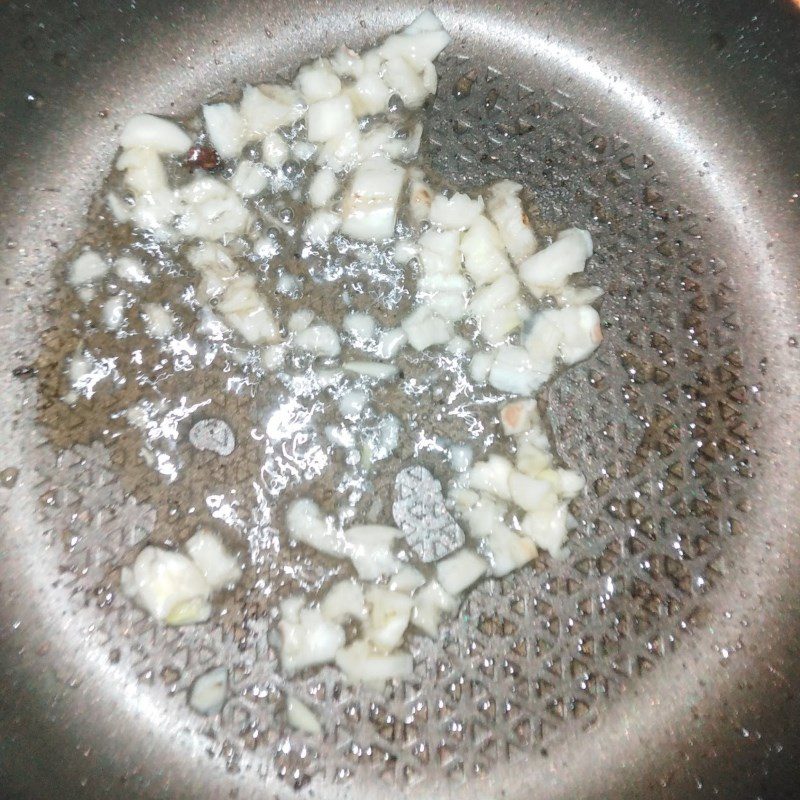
(655, 421)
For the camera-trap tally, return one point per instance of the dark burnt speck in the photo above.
(202, 157)
(24, 371)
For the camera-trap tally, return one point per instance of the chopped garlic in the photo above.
(485, 259)
(267, 107)
(384, 140)
(113, 312)
(302, 150)
(287, 285)
(88, 267)
(154, 204)
(323, 187)
(144, 172)
(369, 94)
(131, 269)
(307, 637)
(547, 528)
(321, 225)
(362, 664)
(168, 586)
(404, 251)
(459, 252)
(519, 416)
(505, 209)
(317, 81)
(403, 79)
(340, 153)
(458, 346)
(419, 198)
(346, 62)
(425, 38)
(210, 209)
(533, 453)
(459, 211)
(155, 133)
(444, 294)
(495, 295)
(546, 272)
(226, 128)
(430, 602)
(573, 332)
(272, 357)
(274, 150)
(389, 615)
(352, 403)
(321, 340)
(208, 692)
(492, 476)
(371, 369)
(424, 328)
(460, 457)
(300, 320)
(581, 333)
(369, 207)
(249, 178)
(158, 320)
(439, 253)
(481, 510)
(406, 580)
(344, 601)
(391, 342)
(495, 328)
(246, 312)
(529, 493)
(570, 483)
(578, 295)
(480, 366)
(307, 524)
(238, 300)
(329, 118)
(300, 716)
(359, 325)
(459, 571)
(369, 547)
(508, 550)
(120, 209)
(218, 566)
(515, 371)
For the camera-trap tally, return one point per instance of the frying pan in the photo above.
(660, 659)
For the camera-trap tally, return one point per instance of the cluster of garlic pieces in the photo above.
(473, 256)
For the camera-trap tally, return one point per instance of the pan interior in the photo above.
(665, 421)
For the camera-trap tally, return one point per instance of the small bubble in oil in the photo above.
(8, 477)
(395, 104)
(463, 86)
(34, 99)
(291, 169)
(792, 341)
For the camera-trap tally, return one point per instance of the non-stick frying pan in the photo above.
(661, 659)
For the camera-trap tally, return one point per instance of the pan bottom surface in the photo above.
(609, 673)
